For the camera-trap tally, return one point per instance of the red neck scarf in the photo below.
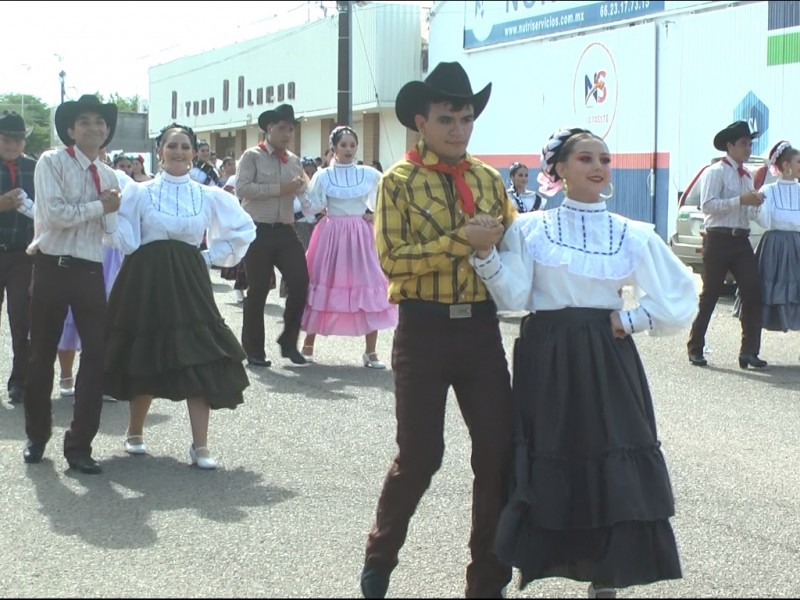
(742, 171)
(465, 195)
(92, 170)
(281, 154)
(12, 172)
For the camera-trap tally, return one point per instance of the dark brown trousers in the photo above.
(723, 252)
(15, 282)
(273, 247)
(430, 355)
(79, 285)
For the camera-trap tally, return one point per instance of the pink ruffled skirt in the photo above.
(348, 291)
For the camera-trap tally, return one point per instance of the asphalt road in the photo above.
(302, 463)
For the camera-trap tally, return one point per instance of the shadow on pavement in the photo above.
(321, 382)
(113, 510)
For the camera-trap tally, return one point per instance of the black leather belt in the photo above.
(734, 231)
(68, 261)
(451, 311)
(271, 225)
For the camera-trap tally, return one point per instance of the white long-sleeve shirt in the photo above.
(781, 207)
(178, 208)
(581, 255)
(345, 190)
(720, 188)
(68, 217)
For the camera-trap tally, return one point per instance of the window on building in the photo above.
(260, 96)
(249, 97)
(226, 94)
(280, 92)
(240, 101)
(270, 94)
(174, 105)
(188, 109)
(290, 90)
(196, 108)
(211, 105)
(204, 107)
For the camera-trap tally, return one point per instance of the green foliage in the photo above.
(123, 104)
(36, 114)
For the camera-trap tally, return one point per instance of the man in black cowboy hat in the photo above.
(16, 232)
(448, 333)
(268, 178)
(76, 203)
(726, 192)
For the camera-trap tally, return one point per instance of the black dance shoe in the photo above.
(751, 360)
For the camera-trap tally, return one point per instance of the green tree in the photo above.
(123, 104)
(36, 114)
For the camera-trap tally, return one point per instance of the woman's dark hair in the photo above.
(184, 128)
(516, 167)
(376, 164)
(559, 147)
(120, 157)
(339, 132)
(781, 153)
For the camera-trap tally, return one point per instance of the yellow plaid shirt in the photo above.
(419, 229)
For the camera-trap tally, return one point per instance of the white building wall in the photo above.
(702, 80)
(386, 53)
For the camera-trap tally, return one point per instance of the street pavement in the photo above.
(303, 460)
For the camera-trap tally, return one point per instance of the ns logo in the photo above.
(595, 88)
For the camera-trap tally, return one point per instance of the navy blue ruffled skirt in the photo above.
(591, 496)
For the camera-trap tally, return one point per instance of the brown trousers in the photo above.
(273, 247)
(723, 252)
(55, 288)
(15, 280)
(430, 355)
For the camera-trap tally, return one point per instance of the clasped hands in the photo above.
(11, 200)
(751, 199)
(111, 200)
(483, 233)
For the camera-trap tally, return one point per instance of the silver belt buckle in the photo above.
(63, 261)
(460, 311)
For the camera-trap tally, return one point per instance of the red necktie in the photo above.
(456, 171)
(742, 171)
(12, 172)
(281, 154)
(92, 170)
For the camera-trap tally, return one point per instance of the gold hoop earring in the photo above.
(610, 192)
(565, 187)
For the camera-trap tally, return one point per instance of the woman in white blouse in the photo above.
(522, 198)
(779, 249)
(592, 497)
(165, 335)
(347, 291)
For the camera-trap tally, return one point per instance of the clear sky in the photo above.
(107, 47)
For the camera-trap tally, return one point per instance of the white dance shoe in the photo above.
(134, 444)
(371, 361)
(201, 457)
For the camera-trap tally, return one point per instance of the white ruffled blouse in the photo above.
(179, 208)
(581, 255)
(345, 190)
(781, 207)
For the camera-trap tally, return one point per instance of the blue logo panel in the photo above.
(756, 113)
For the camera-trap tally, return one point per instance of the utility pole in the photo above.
(62, 76)
(344, 106)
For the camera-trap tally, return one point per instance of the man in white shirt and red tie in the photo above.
(726, 190)
(77, 198)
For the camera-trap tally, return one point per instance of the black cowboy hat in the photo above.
(67, 112)
(447, 82)
(733, 132)
(282, 112)
(12, 125)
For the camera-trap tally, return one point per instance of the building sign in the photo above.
(595, 89)
(489, 23)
